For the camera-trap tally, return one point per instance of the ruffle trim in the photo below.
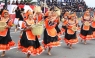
(94, 35)
(62, 30)
(72, 41)
(51, 44)
(88, 37)
(5, 47)
(31, 50)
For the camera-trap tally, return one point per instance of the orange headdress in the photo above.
(4, 11)
(28, 13)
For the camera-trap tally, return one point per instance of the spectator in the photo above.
(13, 3)
(16, 2)
(9, 2)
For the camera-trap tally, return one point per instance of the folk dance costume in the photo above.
(47, 14)
(50, 38)
(29, 43)
(5, 39)
(38, 17)
(64, 21)
(57, 28)
(86, 30)
(70, 31)
(93, 27)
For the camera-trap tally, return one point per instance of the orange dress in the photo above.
(5, 39)
(93, 29)
(86, 31)
(50, 35)
(38, 18)
(46, 14)
(29, 43)
(57, 28)
(64, 26)
(70, 35)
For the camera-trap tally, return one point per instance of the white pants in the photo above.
(20, 25)
(16, 21)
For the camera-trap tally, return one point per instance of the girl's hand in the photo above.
(7, 26)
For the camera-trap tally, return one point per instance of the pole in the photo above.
(6, 4)
(44, 5)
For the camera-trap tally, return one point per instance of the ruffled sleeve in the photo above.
(47, 13)
(65, 23)
(23, 25)
(10, 23)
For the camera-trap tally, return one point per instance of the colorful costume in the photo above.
(86, 31)
(70, 35)
(50, 34)
(5, 39)
(29, 43)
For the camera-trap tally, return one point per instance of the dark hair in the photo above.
(17, 8)
(22, 9)
(51, 9)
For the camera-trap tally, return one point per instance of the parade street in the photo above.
(78, 51)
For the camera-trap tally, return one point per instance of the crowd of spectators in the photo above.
(66, 6)
(73, 6)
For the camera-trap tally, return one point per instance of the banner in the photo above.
(11, 8)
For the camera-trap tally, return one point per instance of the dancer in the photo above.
(18, 14)
(5, 38)
(70, 31)
(38, 16)
(64, 21)
(29, 43)
(50, 34)
(86, 30)
(58, 22)
(21, 18)
(93, 26)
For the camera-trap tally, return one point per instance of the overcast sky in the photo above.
(90, 3)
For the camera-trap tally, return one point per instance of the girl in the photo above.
(93, 26)
(64, 20)
(50, 34)
(5, 38)
(29, 43)
(70, 34)
(86, 30)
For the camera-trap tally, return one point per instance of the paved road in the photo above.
(79, 50)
